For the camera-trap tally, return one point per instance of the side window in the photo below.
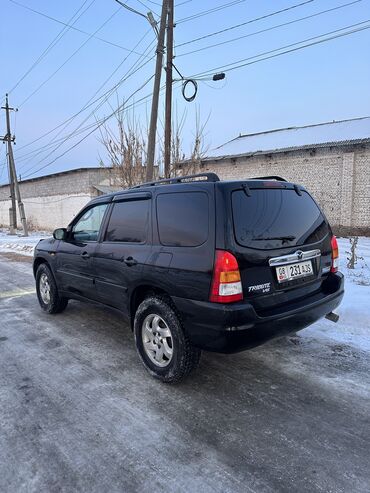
(129, 222)
(183, 218)
(88, 226)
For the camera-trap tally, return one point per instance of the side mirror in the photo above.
(60, 234)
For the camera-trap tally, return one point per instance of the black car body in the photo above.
(237, 262)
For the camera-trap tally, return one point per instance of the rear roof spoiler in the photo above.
(277, 178)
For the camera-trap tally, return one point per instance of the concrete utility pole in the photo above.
(155, 100)
(168, 119)
(14, 186)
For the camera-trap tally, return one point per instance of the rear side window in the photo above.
(275, 218)
(129, 222)
(183, 218)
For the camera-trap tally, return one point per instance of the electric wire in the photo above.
(127, 7)
(240, 63)
(73, 27)
(147, 7)
(89, 103)
(104, 120)
(210, 11)
(277, 26)
(236, 26)
(54, 42)
(72, 134)
(78, 129)
(68, 59)
(101, 122)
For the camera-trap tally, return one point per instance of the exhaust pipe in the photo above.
(333, 317)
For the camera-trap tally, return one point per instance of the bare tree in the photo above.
(126, 145)
(353, 258)
(180, 164)
(126, 150)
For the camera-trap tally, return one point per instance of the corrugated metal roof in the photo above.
(292, 138)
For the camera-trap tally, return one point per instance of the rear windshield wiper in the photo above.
(283, 238)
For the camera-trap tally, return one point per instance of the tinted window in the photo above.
(182, 218)
(274, 218)
(88, 226)
(129, 222)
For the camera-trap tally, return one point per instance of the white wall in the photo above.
(47, 213)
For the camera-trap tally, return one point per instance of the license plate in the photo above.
(293, 271)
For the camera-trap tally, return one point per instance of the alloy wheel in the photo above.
(157, 340)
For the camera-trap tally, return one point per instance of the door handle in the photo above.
(130, 261)
(85, 255)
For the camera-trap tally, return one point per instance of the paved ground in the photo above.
(78, 412)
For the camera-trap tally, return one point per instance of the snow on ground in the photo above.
(353, 327)
(20, 244)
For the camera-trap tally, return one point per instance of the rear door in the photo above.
(282, 242)
(124, 249)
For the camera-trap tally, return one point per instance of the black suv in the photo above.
(197, 263)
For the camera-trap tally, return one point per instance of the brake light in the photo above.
(226, 283)
(334, 254)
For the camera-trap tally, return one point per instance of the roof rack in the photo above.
(277, 178)
(212, 177)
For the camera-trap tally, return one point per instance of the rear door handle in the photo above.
(130, 261)
(85, 255)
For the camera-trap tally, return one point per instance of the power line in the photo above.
(72, 27)
(127, 7)
(104, 120)
(100, 122)
(89, 103)
(225, 69)
(177, 5)
(133, 69)
(68, 59)
(269, 28)
(276, 12)
(210, 11)
(52, 43)
(147, 7)
(78, 129)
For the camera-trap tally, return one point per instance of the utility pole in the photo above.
(168, 118)
(155, 99)
(14, 186)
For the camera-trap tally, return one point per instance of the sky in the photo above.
(324, 82)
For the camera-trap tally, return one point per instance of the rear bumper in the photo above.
(236, 327)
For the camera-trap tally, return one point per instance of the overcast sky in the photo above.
(324, 82)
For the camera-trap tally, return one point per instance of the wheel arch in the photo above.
(37, 262)
(139, 294)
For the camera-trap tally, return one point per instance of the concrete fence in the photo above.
(52, 201)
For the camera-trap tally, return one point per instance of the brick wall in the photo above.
(52, 201)
(338, 177)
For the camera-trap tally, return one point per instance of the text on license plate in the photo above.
(292, 271)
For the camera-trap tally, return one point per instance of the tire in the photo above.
(47, 291)
(161, 342)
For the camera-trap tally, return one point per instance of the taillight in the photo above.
(226, 284)
(334, 255)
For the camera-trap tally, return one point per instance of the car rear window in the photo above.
(275, 218)
(182, 218)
